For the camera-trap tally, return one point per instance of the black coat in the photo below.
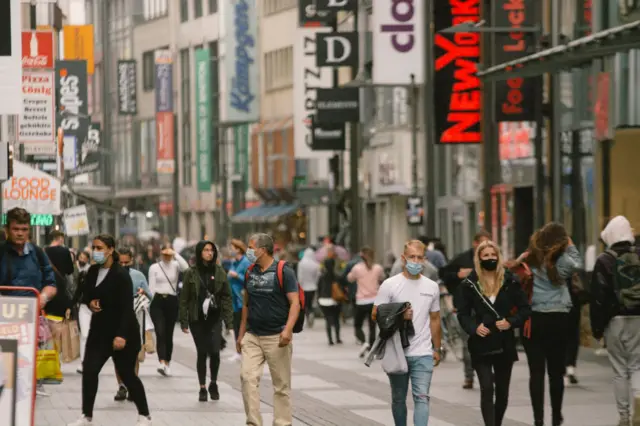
(117, 317)
(510, 304)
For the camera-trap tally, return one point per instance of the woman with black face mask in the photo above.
(491, 305)
(205, 301)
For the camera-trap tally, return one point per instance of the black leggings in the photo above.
(164, 314)
(364, 312)
(207, 336)
(332, 320)
(237, 319)
(546, 351)
(96, 355)
(494, 375)
(308, 301)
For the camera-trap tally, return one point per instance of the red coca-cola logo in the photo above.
(37, 62)
(37, 49)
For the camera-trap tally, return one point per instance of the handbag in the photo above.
(337, 293)
(167, 277)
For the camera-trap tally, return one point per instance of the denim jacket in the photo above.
(550, 297)
(139, 282)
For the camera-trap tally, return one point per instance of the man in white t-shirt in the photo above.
(424, 348)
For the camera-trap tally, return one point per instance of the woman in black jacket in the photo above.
(331, 308)
(114, 330)
(491, 305)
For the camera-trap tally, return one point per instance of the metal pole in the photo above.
(577, 202)
(225, 183)
(430, 172)
(414, 144)
(540, 188)
(555, 150)
(106, 95)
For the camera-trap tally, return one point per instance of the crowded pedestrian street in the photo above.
(331, 386)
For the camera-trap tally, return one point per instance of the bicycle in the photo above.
(452, 333)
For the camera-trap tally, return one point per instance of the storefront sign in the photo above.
(78, 44)
(164, 81)
(337, 49)
(18, 322)
(328, 137)
(127, 94)
(37, 121)
(72, 99)
(518, 98)
(10, 57)
(76, 221)
(241, 165)
(165, 142)
(88, 155)
(203, 123)
(36, 220)
(340, 105)
(241, 97)
(33, 190)
(37, 50)
(309, 15)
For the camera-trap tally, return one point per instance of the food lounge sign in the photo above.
(516, 98)
(458, 92)
(33, 190)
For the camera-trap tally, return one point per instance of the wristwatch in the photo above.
(439, 350)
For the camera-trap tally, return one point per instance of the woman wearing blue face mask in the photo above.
(114, 331)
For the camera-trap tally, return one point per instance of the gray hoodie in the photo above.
(308, 271)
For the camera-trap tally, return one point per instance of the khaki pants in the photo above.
(255, 351)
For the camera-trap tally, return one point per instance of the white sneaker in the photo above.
(82, 421)
(167, 371)
(235, 358)
(41, 392)
(143, 421)
(161, 369)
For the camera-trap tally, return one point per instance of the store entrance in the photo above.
(523, 212)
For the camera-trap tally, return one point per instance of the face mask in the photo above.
(489, 264)
(414, 268)
(251, 255)
(82, 264)
(99, 257)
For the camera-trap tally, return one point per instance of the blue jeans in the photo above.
(420, 371)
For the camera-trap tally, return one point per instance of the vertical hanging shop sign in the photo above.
(127, 93)
(164, 112)
(203, 123)
(458, 92)
(241, 157)
(242, 91)
(516, 98)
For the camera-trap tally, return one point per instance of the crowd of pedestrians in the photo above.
(251, 289)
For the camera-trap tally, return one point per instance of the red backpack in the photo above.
(299, 325)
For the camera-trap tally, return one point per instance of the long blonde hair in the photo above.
(482, 274)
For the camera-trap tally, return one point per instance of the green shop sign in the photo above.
(36, 219)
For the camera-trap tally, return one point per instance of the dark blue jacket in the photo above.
(26, 270)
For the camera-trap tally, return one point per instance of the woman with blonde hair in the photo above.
(491, 305)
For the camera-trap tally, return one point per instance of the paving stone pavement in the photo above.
(331, 387)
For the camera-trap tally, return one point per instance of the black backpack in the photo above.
(626, 278)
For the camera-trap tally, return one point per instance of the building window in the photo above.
(184, 10)
(154, 9)
(185, 90)
(197, 9)
(278, 68)
(213, 6)
(277, 6)
(148, 70)
(215, 109)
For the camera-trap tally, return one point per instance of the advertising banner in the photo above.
(37, 50)
(8, 380)
(204, 119)
(164, 81)
(398, 37)
(241, 157)
(310, 14)
(458, 92)
(76, 221)
(10, 57)
(341, 105)
(18, 322)
(78, 44)
(88, 152)
(35, 191)
(165, 139)
(72, 99)
(241, 93)
(306, 77)
(516, 98)
(36, 125)
(127, 94)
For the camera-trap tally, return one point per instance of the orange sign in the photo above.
(78, 44)
(165, 138)
(37, 50)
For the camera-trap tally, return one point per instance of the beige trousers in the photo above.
(255, 351)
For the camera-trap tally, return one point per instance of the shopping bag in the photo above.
(48, 366)
(141, 355)
(44, 333)
(56, 327)
(70, 341)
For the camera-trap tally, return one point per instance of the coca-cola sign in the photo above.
(37, 50)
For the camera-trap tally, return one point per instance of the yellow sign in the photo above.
(78, 44)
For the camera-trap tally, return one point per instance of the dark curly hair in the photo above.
(545, 248)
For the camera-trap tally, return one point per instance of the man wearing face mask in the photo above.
(424, 350)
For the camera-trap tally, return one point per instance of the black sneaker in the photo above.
(202, 396)
(572, 379)
(121, 395)
(213, 392)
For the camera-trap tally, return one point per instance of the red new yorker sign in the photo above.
(37, 50)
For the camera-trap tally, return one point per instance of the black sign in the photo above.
(88, 152)
(327, 137)
(340, 105)
(127, 95)
(516, 98)
(337, 5)
(337, 49)
(310, 16)
(415, 211)
(72, 98)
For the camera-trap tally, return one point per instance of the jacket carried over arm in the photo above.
(190, 305)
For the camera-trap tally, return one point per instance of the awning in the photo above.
(579, 52)
(264, 213)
